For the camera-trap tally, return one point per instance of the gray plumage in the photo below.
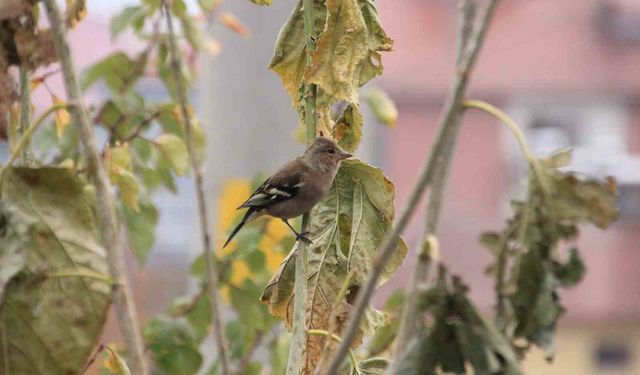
(296, 187)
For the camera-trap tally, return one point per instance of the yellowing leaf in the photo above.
(76, 12)
(232, 22)
(120, 156)
(199, 140)
(114, 363)
(261, 2)
(342, 48)
(348, 129)
(347, 228)
(62, 116)
(289, 57)
(383, 107)
(174, 149)
(129, 187)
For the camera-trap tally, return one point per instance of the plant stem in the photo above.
(28, 133)
(451, 109)
(467, 11)
(299, 330)
(107, 218)
(336, 338)
(26, 156)
(211, 263)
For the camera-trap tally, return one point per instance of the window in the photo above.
(619, 20)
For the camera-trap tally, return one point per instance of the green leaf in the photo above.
(130, 16)
(261, 2)
(173, 345)
(193, 33)
(15, 237)
(459, 336)
(207, 6)
(572, 272)
(141, 228)
(347, 228)
(114, 70)
(348, 128)
(173, 148)
(50, 317)
(382, 107)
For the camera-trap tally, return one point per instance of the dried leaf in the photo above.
(14, 8)
(341, 50)
(76, 12)
(35, 48)
(233, 23)
(289, 57)
(348, 128)
(63, 119)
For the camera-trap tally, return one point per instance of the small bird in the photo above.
(296, 187)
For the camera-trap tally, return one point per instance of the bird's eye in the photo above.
(331, 151)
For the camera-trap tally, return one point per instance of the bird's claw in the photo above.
(303, 237)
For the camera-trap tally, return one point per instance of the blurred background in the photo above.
(568, 71)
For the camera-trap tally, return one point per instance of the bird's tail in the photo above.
(242, 222)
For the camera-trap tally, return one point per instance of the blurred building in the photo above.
(569, 73)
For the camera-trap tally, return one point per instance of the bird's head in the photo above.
(325, 155)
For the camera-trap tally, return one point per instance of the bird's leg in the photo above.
(299, 236)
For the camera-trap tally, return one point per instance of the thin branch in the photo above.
(107, 218)
(146, 121)
(207, 248)
(26, 156)
(536, 169)
(467, 11)
(93, 358)
(452, 107)
(299, 331)
(333, 320)
(336, 338)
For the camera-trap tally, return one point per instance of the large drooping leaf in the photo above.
(54, 309)
(347, 229)
(289, 58)
(14, 243)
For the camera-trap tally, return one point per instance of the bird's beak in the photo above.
(344, 155)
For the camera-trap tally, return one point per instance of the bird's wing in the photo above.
(283, 185)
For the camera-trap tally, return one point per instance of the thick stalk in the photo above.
(26, 155)
(122, 299)
(211, 263)
(452, 106)
(299, 330)
(467, 11)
